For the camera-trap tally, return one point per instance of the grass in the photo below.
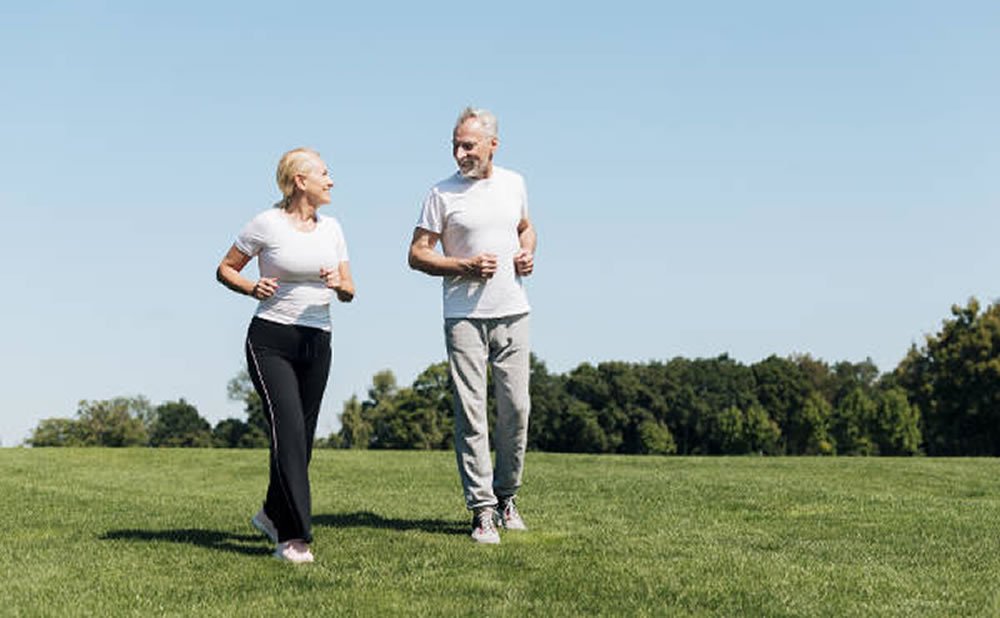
(165, 532)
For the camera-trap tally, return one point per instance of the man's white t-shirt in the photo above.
(473, 217)
(294, 257)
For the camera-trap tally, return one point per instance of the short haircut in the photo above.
(485, 117)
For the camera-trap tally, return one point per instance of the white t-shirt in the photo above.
(473, 217)
(294, 257)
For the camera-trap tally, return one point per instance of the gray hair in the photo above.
(485, 117)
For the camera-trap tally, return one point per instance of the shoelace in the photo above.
(485, 521)
(509, 510)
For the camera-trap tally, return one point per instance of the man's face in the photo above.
(473, 149)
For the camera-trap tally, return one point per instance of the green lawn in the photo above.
(165, 532)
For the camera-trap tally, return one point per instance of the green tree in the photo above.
(415, 417)
(818, 374)
(240, 388)
(256, 430)
(737, 432)
(811, 427)
(114, 422)
(896, 426)
(782, 387)
(178, 424)
(432, 390)
(583, 431)
(847, 377)
(954, 380)
(355, 430)
(852, 421)
(331, 441)
(379, 411)
(762, 432)
(548, 400)
(56, 432)
(707, 389)
(727, 433)
(235, 433)
(655, 438)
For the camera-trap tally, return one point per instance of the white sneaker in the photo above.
(262, 522)
(483, 528)
(508, 515)
(293, 551)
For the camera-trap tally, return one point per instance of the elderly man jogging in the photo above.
(480, 216)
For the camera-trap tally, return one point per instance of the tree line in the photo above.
(942, 399)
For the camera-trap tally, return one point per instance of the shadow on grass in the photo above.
(367, 519)
(210, 539)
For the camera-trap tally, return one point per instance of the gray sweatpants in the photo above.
(504, 344)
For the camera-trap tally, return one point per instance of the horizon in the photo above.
(747, 180)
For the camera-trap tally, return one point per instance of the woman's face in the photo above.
(317, 183)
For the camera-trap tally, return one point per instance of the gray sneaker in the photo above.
(484, 530)
(262, 522)
(508, 516)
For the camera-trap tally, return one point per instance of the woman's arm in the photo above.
(228, 274)
(340, 281)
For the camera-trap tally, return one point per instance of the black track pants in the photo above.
(289, 366)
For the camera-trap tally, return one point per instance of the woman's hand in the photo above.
(264, 288)
(339, 280)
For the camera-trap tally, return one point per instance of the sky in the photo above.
(706, 178)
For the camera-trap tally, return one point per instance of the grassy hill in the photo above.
(165, 532)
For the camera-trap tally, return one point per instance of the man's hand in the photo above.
(524, 262)
(482, 266)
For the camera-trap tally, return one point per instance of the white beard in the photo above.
(476, 171)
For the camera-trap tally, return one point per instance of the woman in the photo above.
(302, 259)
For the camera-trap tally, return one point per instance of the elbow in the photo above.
(412, 260)
(218, 275)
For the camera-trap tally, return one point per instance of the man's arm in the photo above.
(424, 258)
(524, 261)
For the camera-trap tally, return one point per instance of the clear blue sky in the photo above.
(718, 177)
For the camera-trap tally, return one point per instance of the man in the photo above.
(480, 215)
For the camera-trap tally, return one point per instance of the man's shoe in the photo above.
(263, 523)
(508, 516)
(293, 551)
(483, 528)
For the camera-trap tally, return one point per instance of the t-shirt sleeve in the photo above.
(338, 233)
(432, 214)
(524, 200)
(251, 238)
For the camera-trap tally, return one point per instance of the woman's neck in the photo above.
(300, 208)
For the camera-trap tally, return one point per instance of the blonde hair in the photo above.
(293, 163)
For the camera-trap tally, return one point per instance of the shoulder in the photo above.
(331, 226)
(451, 184)
(267, 217)
(507, 176)
(263, 222)
(328, 221)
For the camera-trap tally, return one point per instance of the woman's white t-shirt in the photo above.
(294, 258)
